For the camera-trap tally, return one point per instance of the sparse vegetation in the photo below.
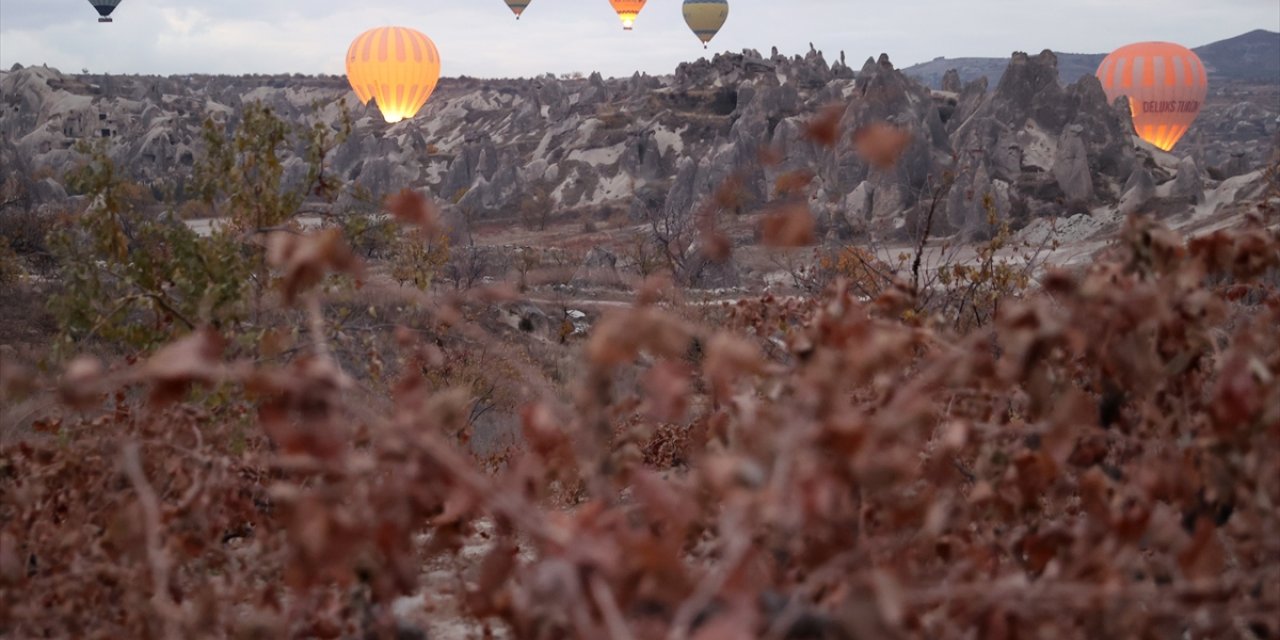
(1096, 461)
(353, 431)
(132, 276)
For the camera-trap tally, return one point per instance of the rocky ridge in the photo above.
(502, 149)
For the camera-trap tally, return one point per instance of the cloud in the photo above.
(481, 38)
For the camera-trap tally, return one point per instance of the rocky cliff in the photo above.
(492, 149)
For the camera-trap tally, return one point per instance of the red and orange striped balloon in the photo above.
(397, 67)
(1166, 84)
(627, 11)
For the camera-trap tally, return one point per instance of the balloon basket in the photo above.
(104, 20)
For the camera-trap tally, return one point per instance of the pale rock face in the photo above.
(649, 144)
(858, 206)
(599, 268)
(1187, 183)
(951, 81)
(1139, 189)
(1071, 166)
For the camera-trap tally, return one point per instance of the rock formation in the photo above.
(660, 145)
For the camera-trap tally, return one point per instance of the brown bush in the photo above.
(1098, 456)
(26, 232)
(1099, 462)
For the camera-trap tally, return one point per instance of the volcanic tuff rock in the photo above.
(1138, 190)
(599, 268)
(1242, 110)
(655, 145)
(1046, 145)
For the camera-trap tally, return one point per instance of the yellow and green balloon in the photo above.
(706, 17)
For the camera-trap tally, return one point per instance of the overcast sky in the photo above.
(481, 37)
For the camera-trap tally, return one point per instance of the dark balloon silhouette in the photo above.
(104, 7)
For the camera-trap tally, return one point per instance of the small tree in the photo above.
(417, 258)
(137, 278)
(536, 208)
(10, 266)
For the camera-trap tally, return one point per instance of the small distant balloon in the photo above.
(627, 11)
(104, 7)
(397, 67)
(518, 6)
(1166, 85)
(705, 17)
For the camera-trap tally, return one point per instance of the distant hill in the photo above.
(1253, 56)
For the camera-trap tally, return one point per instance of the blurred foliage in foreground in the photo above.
(1099, 456)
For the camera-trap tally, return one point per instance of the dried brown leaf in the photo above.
(793, 183)
(193, 359)
(618, 338)
(412, 208)
(11, 569)
(80, 382)
(791, 225)
(881, 144)
(1203, 558)
(729, 357)
(730, 195)
(770, 156)
(716, 245)
(824, 129)
(305, 260)
(667, 386)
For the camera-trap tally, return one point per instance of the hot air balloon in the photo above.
(706, 17)
(104, 7)
(396, 66)
(518, 6)
(627, 11)
(1166, 83)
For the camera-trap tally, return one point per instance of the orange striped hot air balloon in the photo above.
(627, 11)
(397, 67)
(1166, 84)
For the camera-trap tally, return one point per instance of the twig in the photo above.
(1074, 594)
(603, 596)
(964, 471)
(714, 581)
(924, 236)
(156, 554)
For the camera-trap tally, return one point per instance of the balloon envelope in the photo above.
(518, 6)
(705, 17)
(104, 7)
(627, 11)
(396, 66)
(1166, 84)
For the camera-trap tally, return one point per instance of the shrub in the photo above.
(1095, 457)
(10, 265)
(136, 279)
(417, 260)
(1094, 462)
